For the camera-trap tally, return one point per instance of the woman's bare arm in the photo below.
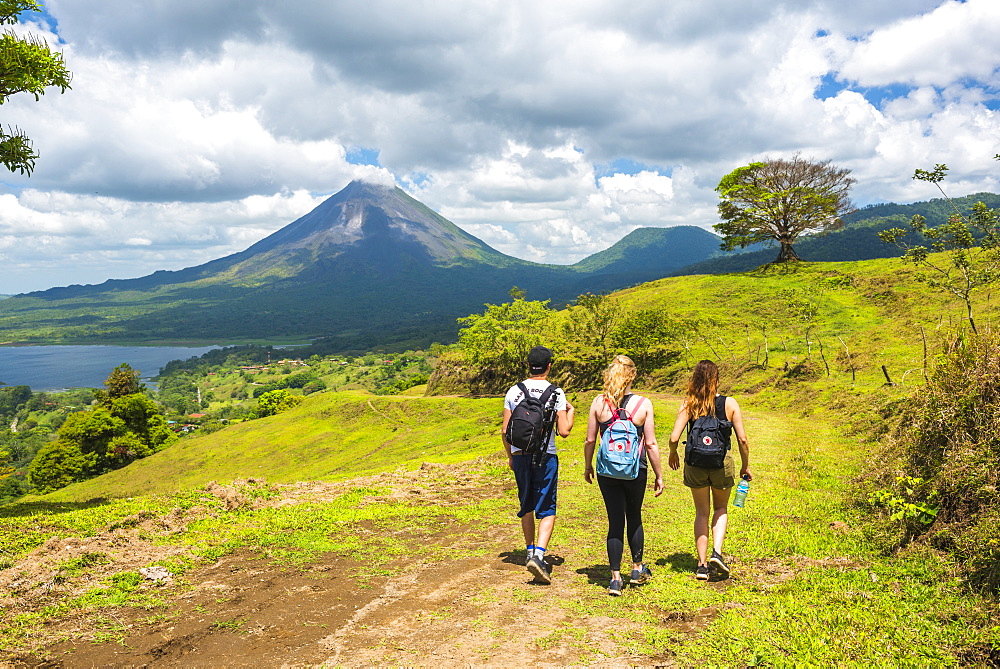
(675, 436)
(735, 415)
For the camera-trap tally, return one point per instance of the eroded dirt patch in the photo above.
(423, 608)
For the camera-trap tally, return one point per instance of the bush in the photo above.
(58, 464)
(274, 402)
(942, 455)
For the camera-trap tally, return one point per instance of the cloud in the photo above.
(955, 41)
(201, 127)
(65, 233)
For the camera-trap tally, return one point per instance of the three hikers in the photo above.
(621, 433)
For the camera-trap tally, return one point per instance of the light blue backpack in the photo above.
(620, 451)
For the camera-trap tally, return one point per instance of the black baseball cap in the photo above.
(538, 359)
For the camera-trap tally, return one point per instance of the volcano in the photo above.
(370, 266)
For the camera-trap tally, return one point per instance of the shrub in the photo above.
(941, 455)
(57, 464)
(274, 402)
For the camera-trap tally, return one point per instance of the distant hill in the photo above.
(646, 254)
(369, 267)
(857, 240)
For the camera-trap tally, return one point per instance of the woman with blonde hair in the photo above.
(623, 497)
(710, 488)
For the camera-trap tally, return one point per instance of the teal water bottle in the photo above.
(741, 492)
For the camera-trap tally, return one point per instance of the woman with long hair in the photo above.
(710, 488)
(623, 497)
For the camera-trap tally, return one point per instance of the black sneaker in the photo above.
(640, 576)
(718, 565)
(701, 573)
(615, 589)
(539, 569)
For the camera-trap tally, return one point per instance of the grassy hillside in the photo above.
(396, 568)
(825, 317)
(818, 327)
(411, 562)
(804, 336)
(330, 435)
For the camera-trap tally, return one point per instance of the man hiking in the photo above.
(534, 410)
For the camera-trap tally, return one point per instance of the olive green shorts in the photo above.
(720, 479)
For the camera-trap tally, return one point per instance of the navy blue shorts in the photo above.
(536, 486)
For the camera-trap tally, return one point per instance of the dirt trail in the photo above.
(243, 611)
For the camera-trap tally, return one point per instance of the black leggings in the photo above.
(623, 501)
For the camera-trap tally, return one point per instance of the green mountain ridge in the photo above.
(857, 240)
(369, 267)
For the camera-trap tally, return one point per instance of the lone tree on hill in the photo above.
(27, 65)
(778, 200)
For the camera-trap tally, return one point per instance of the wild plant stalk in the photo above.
(763, 330)
(822, 355)
(850, 360)
(970, 262)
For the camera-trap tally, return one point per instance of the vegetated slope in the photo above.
(834, 325)
(370, 266)
(821, 327)
(809, 584)
(404, 566)
(838, 321)
(858, 240)
(330, 435)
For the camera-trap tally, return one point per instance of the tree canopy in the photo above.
(122, 381)
(124, 426)
(27, 65)
(778, 200)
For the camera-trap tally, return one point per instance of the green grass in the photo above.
(802, 592)
(875, 307)
(329, 436)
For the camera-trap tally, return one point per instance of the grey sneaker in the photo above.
(701, 573)
(539, 569)
(615, 589)
(640, 576)
(717, 564)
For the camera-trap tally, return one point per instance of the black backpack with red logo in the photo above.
(708, 438)
(532, 420)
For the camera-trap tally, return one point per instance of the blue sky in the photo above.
(548, 130)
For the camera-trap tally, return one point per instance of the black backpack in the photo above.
(708, 438)
(531, 421)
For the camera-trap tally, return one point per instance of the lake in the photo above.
(59, 367)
